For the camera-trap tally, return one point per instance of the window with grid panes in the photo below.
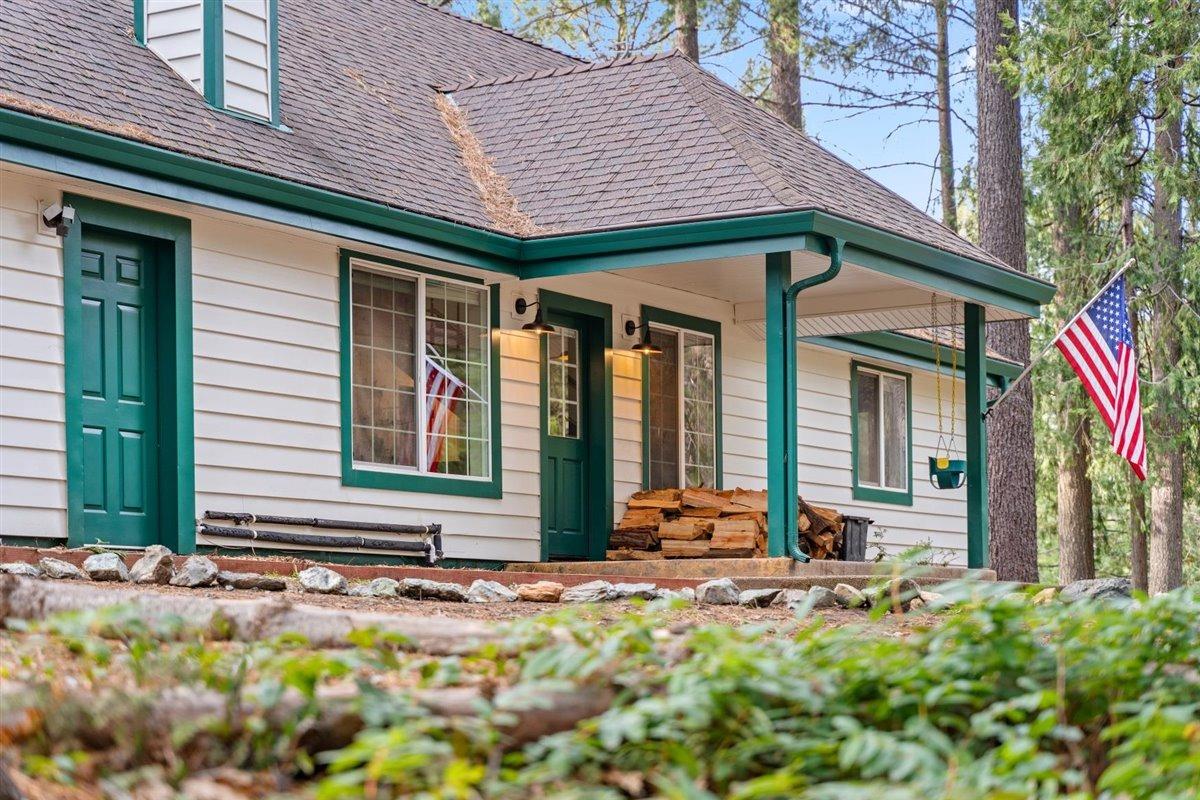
(419, 373)
(682, 409)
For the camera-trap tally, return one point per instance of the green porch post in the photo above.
(977, 457)
(781, 436)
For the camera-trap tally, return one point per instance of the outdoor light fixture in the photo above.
(645, 346)
(539, 325)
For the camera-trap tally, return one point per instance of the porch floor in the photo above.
(752, 572)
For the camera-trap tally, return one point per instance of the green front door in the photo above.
(119, 413)
(567, 444)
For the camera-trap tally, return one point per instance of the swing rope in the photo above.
(937, 359)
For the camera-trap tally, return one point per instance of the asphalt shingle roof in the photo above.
(582, 146)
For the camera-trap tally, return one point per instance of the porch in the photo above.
(841, 298)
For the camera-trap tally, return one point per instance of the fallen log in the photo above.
(100, 720)
(243, 620)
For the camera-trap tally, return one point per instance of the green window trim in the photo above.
(177, 487)
(213, 54)
(367, 478)
(674, 319)
(876, 494)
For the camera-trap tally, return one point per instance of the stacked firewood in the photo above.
(706, 523)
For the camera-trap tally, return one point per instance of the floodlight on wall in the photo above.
(644, 346)
(539, 325)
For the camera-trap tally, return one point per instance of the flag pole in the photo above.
(1033, 362)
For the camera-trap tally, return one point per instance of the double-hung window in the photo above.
(420, 382)
(681, 402)
(882, 434)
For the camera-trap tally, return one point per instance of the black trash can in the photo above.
(854, 538)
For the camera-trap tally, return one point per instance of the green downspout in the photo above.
(791, 470)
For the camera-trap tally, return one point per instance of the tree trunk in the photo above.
(945, 138)
(1012, 503)
(687, 29)
(783, 47)
(1076, 544)
(1166, 454)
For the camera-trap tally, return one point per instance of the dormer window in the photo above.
(225, 49)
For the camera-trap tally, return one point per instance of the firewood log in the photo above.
(677, 548)
(685, 528)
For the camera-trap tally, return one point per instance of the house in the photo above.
(310, 251)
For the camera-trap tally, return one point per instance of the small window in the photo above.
(419, 373)
(882, 457)
(681, 415)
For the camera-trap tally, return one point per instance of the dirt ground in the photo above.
(693, 614)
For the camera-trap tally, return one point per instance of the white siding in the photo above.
(247, 59)
(175, 30)
(267, 393)
(33, 465)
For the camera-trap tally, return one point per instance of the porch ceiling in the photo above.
(859, 300)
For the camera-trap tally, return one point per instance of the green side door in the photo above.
(567, 443)
(117, 355)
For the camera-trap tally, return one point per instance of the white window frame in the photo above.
(881, 439)
(682, 438)
(420, 277)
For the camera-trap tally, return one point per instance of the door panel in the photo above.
(119, 398)
(567, 443)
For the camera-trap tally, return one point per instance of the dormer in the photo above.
(225, 49)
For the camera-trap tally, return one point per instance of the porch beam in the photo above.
(977, 457)
(781, 414)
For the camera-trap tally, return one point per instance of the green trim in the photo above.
(651, 315)
(177, 463)
(909, 351)
(213, 33)
(273, 63)
(781, 412)
(601, 407)
(139, 22)
(537, 257)
(975, 329)
(362, 477)
(873, 494)
(90, 155)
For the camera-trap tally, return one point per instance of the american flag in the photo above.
(442, 393)
(1099, 347)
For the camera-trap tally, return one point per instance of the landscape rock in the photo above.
(916, 604)
(376, 587)
(1045, 596)
(686, 594)
(61, 570)
(624, 591)
(540, 592)
(22, 569)
(757, 598)
(791, 598)
(156, 566)
(251, 580)
(823, 597)
(482, 591)
(590, 592)
(850, 597)
(321, 580)
(929, 598)
(422, 589)
(1097, 589)
(886, 594)
(105, 567)
(719, 592)
(196, 572)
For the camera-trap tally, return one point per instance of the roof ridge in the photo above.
(751, 154)
(495, 29)
(557, 72)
